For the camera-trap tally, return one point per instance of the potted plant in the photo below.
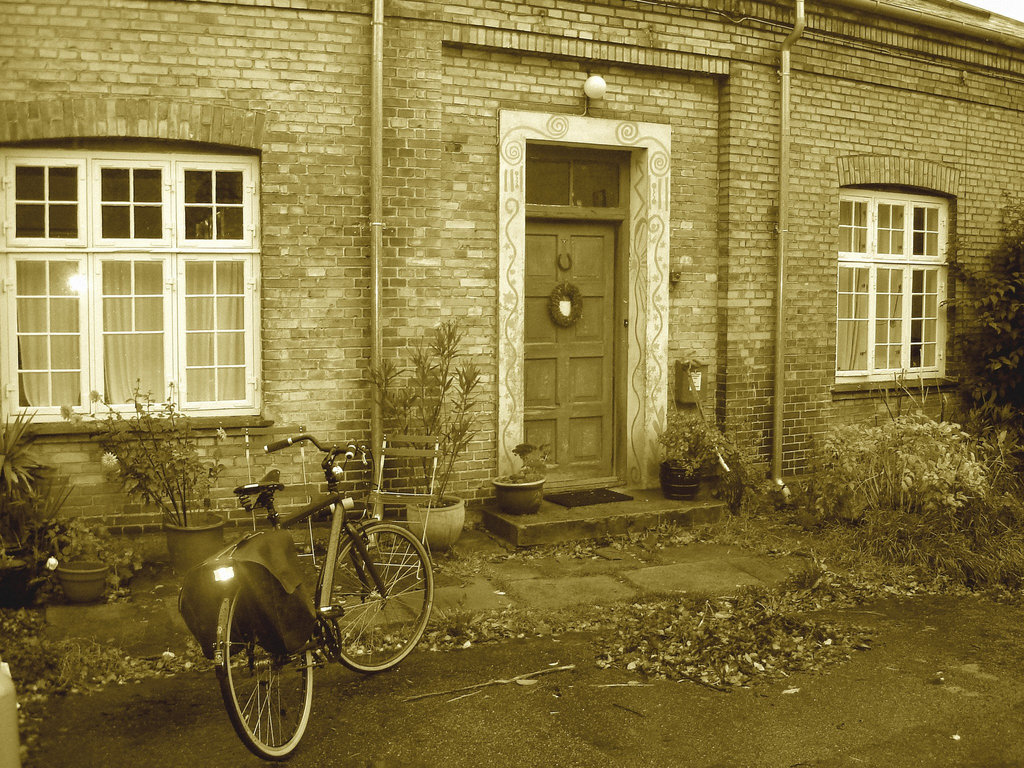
(31, 494)
(153, 452)
(689, 448)
(87, 559)
(521, 492)
(436, 396)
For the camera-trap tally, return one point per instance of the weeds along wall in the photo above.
(876, 102)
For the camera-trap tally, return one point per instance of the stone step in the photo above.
(554, 523)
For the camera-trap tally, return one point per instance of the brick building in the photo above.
(186, 201)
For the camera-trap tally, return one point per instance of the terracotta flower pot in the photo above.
(82, 581)
(444, 524)
(190, 545)
(519, 498)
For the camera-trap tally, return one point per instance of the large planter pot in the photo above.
(678, 484)
(16, 588)
(190, 545)
(519, 498)
(82, 582)
(443, 523)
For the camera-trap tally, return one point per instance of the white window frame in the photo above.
(90, 249)
(873, 261)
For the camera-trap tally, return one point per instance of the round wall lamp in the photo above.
(595, 87)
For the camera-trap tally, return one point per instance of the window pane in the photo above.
(852, 329)
(29, 220)
(230, 277)
(64, 315)
(148, 221)
(63, 183)
(28, 183)
(199, 278)
(148, 185)
(198, 187)
(64, 352)
(116, 221)
(117, 278)
(229, 313)
(117, 315)
(852, 351)
(149, 278)
(114, 185)
(198, 223)
(231, 348)
(132, 362)
(547, 182)
(199, 314)
(66, 388)
(31, 277)
(202, 384)
(231, 383)
(64, 277)
(229, 224)
(595, 184)
(149, 314)
(63, 221)
(33, 353)
(229, 187)
(199, 349)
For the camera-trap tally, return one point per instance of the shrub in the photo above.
(924, 493)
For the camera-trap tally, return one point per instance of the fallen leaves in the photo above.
(727, 642)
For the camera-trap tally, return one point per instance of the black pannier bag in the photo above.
(276, 604)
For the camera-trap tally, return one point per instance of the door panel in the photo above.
(568, 372)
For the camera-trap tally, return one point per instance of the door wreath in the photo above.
(565, 305)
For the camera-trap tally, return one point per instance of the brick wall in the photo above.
(290, 80)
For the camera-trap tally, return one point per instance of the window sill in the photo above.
(202, 423)
(853, 389)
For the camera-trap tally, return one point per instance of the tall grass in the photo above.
(924, 493)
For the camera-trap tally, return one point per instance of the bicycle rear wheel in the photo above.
(268, 696)
(377, 630)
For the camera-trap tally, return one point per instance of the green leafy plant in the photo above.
(153, 452)
(77, 541)
(924, 493)
(436, 396)
(21, 472)
(533, 464)
(688, 443)
(993, 349)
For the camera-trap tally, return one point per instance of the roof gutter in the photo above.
(923, 18)
(779, 401)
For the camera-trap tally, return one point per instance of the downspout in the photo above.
(376, 212)
(780, 288)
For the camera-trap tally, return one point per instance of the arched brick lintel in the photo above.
(894, 169)
(130, 118)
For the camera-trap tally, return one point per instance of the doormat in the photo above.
(586, 498)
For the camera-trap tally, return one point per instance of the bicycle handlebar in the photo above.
(349, 452)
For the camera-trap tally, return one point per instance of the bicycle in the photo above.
(373, 595)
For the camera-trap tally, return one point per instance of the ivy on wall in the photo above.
(993, 349)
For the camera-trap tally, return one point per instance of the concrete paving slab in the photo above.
(478, 594)
(141, 630)
(569, 591)
(711, 577)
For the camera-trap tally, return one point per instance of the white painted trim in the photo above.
(647, 293)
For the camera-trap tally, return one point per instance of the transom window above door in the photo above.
(580, 178)
(891, 285)
(128, 273)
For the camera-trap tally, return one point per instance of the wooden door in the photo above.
(569, 399)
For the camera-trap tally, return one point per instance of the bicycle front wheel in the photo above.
(268, 696)
(377, 629)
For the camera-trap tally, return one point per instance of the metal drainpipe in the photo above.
(376, 210)
(780, 288)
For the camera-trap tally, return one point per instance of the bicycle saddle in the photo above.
(270, 482)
